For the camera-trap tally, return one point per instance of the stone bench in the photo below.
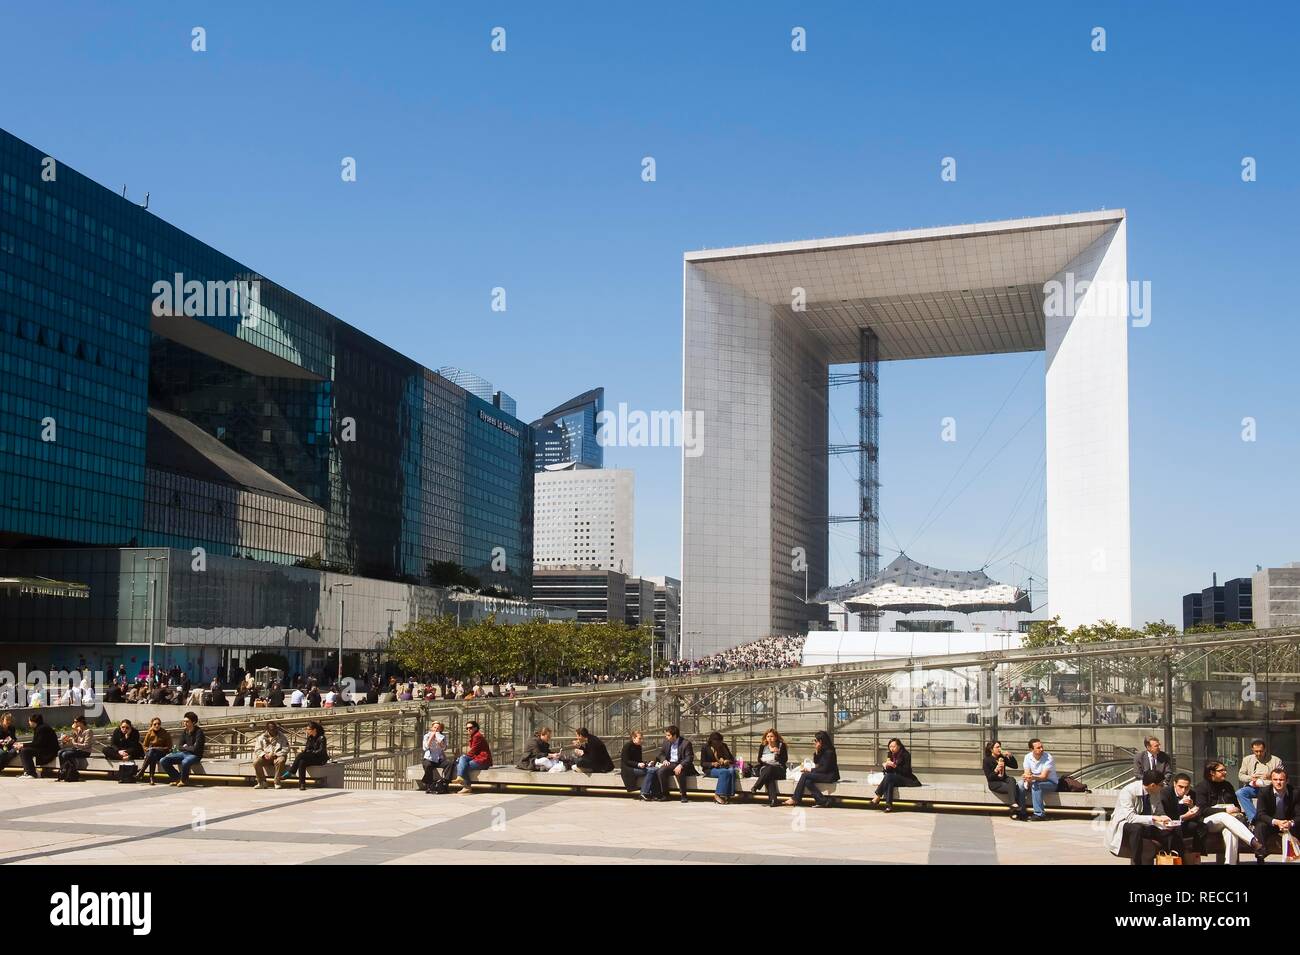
(330, 775)
(848, 789)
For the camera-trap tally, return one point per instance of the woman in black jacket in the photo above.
(769, 767)
(996, 764)
(631, 763)
(898, 773)
(313, 753)
(124, 744)
(826, 769)
(593, 755)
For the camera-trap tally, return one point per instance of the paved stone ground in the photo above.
(43, 821)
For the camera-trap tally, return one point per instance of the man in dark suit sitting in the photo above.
(1152, 757)
(676, 761)
(1277, 810)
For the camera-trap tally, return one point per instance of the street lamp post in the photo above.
(342, 604)
(153, 592)
(391, 611)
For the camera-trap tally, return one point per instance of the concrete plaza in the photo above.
(101, 823)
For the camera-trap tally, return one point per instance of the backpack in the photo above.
(440, 786)
(126, 772)
(68, 772)
(1068, 784)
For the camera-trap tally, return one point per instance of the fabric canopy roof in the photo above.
(906, 586)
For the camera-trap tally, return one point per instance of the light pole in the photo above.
(391, 611)
(342, 604)
(153, 591)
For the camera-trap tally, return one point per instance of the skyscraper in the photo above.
(567, 434)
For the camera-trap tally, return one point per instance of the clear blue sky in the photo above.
(522, 170)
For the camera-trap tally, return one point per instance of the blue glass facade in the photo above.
(134, 413)
(567, 434)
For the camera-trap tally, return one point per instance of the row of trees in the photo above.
(1050, 633)
(439, 648)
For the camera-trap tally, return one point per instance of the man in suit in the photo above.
(1144, 810)
(676, 761)
(1152, 757)
(1277, 810)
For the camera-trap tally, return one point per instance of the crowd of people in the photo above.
(140, 757)
(769, 653)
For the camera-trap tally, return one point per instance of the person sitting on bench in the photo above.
(42, 749)
(718, 762)
(270, 752)
(435, 755)
(157, 744)
(825, 769)
(770, 767)
(1276, 812)
(539, 757)
(313, 753)
(591, 752)
(1217, 799)
(124, 744)
(1144, 810)
(74, 749)
(898, 773)
(477, 757)
(996, 764)
(676, 761)
(8, 740)
(632, 765)
(191, 752)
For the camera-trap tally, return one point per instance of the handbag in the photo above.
(1290, 848)
(126, 772)
(1168, 858)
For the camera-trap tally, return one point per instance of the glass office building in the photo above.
(155, 392)
(567, 434)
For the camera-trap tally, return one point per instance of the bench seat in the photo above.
(847, 788)
(329, 775)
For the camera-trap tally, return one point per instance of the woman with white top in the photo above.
(770, 767)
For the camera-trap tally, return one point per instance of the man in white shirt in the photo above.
(1038, 776)
(297, 697)
(435, 755)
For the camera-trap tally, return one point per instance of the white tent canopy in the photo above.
(906, 586)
